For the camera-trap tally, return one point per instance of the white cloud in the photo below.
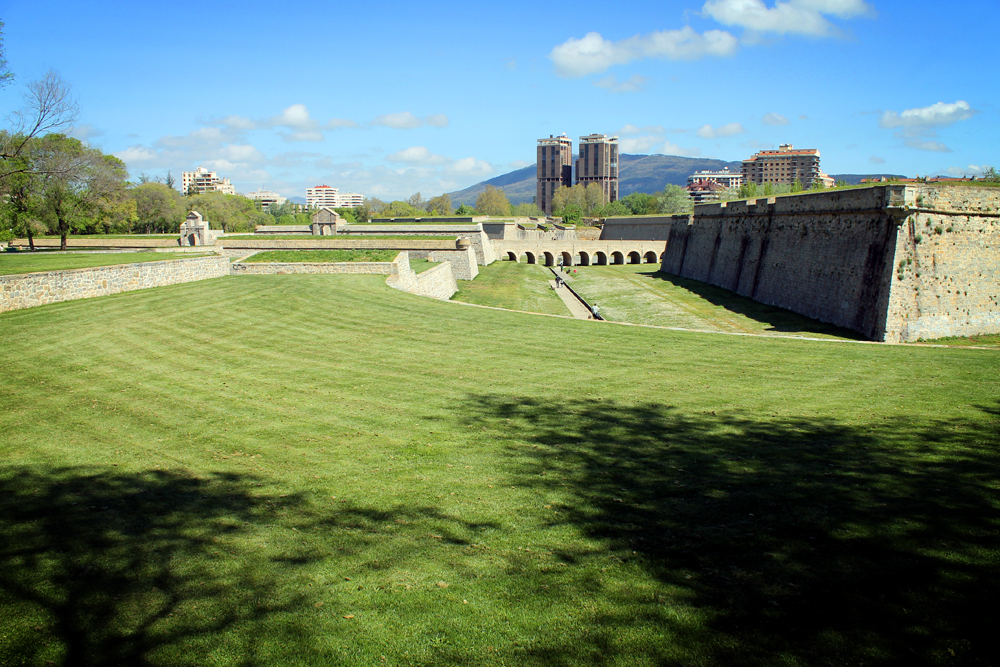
(634, 84)
(417, 155)
(470, 166)
(238, 123)
(671, 148)
(922, 144)
(917, 127)
(405, 120)
(241, 153)
(84, 132)
(640, 144)
(774, 119)
(592, 54)
(437, 120)
(874, 159)
(727, 130)
(137, 155)
(970, 170)
(799, 17)
(630, 129)
(335, 123)
(936, 115)
(520, 164)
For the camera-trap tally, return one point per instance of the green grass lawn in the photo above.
(358, 476)
(640, 294)
(421, 265)
(512, 285)
(982, 340)
(324, 256)
(339, 237)
(30, 262)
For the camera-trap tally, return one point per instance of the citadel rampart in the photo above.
(895, 263)
(37, 289)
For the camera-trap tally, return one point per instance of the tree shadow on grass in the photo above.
(802, 541)
(779, 319)
(98, 568)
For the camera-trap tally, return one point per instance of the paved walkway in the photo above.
(577, 309)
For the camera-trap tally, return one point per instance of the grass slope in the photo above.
(512, 285)
(321, 256)
(640, 294)
(355, 475)
(24, 262)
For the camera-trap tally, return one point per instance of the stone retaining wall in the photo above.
(36, 289)
(264, 268)
(895, 263)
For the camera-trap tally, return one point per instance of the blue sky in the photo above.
(389, 99)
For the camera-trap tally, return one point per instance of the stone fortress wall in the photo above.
(36, 289)
(895, 263)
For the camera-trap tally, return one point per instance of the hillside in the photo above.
(636, 173)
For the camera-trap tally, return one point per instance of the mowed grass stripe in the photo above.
(221, 472)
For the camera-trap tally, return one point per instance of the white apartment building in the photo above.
(725, 178)
(202, 180)
(324, 195)
(266, 198)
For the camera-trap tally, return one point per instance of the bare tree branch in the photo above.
(48, 106)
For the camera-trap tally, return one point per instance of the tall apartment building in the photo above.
(202, 180)
(598, 163)
(784, 166)
(554, 169)
(324, 195)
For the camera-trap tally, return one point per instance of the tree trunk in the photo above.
(62, 241)
(31, 241)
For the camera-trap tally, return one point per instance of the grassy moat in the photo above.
(316, 470)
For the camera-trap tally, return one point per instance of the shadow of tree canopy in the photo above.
(99, 568)
(779, 319)
(805, 541)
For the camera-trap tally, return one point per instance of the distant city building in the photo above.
(266, 198)
(202, 180)
(785, 166)
(704, 191)
(725, 178)
(554, 169)
(324, 195)
(598, 163)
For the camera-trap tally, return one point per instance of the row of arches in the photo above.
(583, 258)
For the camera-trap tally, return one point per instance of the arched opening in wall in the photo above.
(662, 255)
(634, 258)
(584, 259)
(531, 257)
(567, 259)
(511, 256)
(650, 257)
(600, 258)
(617, 258)
(549, 260)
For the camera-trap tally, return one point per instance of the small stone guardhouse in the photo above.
(326, 222)
(195, 231)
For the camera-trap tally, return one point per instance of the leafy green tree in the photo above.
(48, 106)
(526, 210)
(493, 201)
(6, 76)
(466, 210)
(348, 214)
(674, 200)
(571, 214)
(440, 205)
(613, 209)
(642, 203)
(78, 185)
(230, 213)
(417, 202)
(159, 208)
(593, 198)
(990, 174)
(400, 209)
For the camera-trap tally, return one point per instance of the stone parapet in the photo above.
(36, 289)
